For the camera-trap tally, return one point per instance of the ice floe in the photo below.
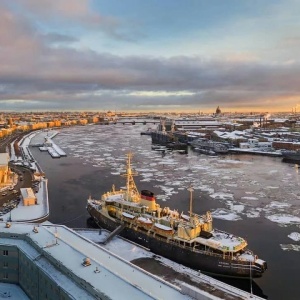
(295, 236)
(221, 196)
(284, 219)
(249, 198)
(240, 183)
(290, 247)
(238, 208)
(225, 214)
(277, 204)
(252, 213)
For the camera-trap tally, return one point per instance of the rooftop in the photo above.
(68, 249)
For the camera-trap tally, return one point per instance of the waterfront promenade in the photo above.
(29, 175)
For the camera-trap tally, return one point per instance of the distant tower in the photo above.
(218, 110)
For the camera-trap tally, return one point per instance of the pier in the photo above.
(45, 143)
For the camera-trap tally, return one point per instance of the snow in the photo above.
(284, 219)
(225, 214)
(127, 215)
(249, 198)
(290, 247)
(32, 212)
(238, 208)
(163, 227)
(68, 249)
(12, 291)
(295, 236)
(253, 213)
(131, 251)
(221, 196)
(276, 204)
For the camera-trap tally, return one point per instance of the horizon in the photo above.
(210, 112)
(80, 55)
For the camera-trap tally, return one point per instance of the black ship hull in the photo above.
(207, 262)
(291, 156)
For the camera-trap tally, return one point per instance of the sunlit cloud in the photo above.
(160, 93)
(83, 55)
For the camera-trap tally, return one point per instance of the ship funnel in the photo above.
(148, 199)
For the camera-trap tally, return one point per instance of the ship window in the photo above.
(5, 252)
(5, 264)
(5, 275)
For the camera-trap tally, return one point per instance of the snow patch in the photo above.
(284, 219)
(222, 196)
(290, 247)
(249, 198)
(225, 214)
(295, 236)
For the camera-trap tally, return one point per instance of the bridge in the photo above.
(133, 122)
(130, 121)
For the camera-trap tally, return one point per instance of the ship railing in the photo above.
(222, 286)
(194, 249)
(229, 255)
(113, 193)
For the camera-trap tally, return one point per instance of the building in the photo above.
(54, 262)
(4, 170)
(284, 145)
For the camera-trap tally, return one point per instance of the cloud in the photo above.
(74, 10)
(57, 38)
(36, 75)
(74, 14)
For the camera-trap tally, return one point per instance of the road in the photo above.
(25, 176)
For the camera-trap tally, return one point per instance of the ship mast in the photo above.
(190, 189)
(132, 191)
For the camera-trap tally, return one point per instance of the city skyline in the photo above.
(156, 56)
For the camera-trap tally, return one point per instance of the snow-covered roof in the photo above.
(236, 134)
(68, 249)
(163, 227)
(12, 291)
(4, 158)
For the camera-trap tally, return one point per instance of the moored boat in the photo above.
(187, 239)
(207, 145)
(291, 156)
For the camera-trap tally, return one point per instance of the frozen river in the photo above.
(256, 197)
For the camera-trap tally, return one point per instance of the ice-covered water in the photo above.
(255, 197)
(261, 186)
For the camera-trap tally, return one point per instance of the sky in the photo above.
(133, 55)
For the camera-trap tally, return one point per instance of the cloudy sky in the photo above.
(188, 55)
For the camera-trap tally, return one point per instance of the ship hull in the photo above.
(204, 262)
(291, 157)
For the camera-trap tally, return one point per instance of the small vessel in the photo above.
(147, 132)
(291, 156)
(205, 151)
(188, 239)
(209, 145)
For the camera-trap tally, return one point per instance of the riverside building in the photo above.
(5, 178)
(54, 262)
